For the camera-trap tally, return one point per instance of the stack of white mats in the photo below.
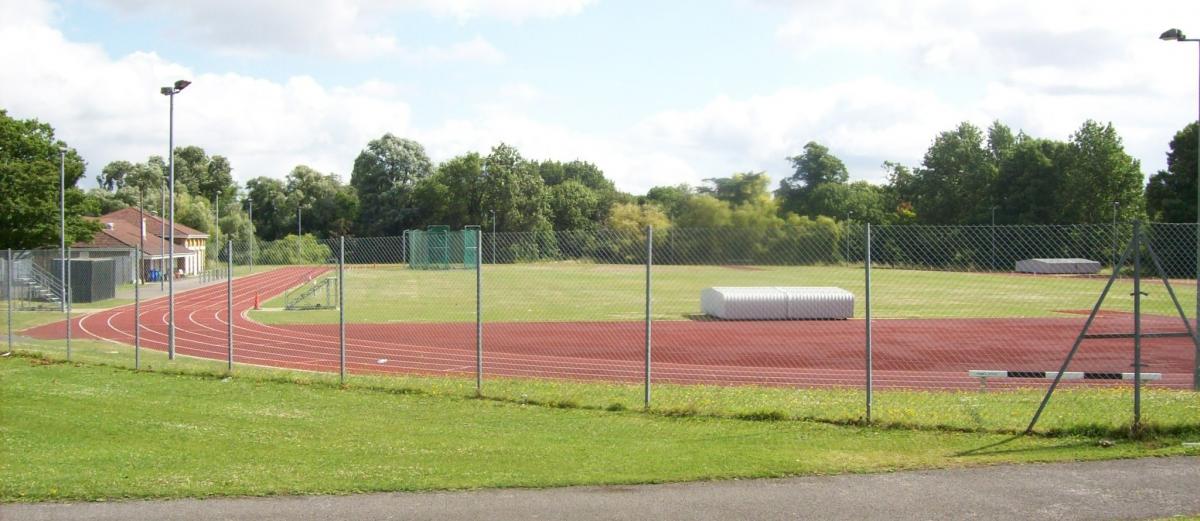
(1058, 266)
(778, 303)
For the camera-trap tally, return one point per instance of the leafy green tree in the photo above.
(272, 217)
(670, 198)
(573, 206)
(513, 188)
(1171, 194)
(632, 219)
(703, 211)
(29, 173)
(327, 207)
(588, 175)
(1000, 141)
(953, 185)
(236, 226)
(146, 177)
(453, 195)
(1097, 173)
(860, 201)
(98, 201)
(1029, 182)
(585, 173)
(305, 249)
(195, 212)
(384, 176)
(897, 194)
(815, 167)
(739, 189)
(112, 178)
(203, 176)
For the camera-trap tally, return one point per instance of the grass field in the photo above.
(83, 431)
(1074, 411)
(571, 291)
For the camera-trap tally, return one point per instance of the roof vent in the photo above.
(110, 226)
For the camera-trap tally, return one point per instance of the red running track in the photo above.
(908, 353)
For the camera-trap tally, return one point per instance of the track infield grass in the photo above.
(82, 431)
(574, 291)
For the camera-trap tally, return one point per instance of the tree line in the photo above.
(967, 175)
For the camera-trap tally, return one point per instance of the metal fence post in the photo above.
(1137, 326)
(137, 309)
(67, 292)
(229, 304)
(649, 306)
(342, 309)
(867, 307)
(8, 295)
(479, 312)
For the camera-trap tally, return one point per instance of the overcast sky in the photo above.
(653, 92)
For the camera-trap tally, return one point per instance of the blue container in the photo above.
(153, 275)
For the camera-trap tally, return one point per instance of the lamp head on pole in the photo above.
(1172, 35)
(179, 85)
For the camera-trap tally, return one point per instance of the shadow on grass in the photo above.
(993, 449)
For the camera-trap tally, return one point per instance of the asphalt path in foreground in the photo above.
(1121, 489)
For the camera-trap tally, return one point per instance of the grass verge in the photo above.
(90, 432)
(1075, 410)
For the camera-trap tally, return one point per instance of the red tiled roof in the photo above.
(125, 235)
(153, 223)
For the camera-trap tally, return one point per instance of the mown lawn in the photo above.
(83, 431)
(573, 291)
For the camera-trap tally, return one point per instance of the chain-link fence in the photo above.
(962, 326)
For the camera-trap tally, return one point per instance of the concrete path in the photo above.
(1129, 489)
(153, 290)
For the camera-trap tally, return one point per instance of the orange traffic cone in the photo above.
(255, 300)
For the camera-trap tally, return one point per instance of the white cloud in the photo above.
(474, 50)
(511, 10)
(631, 164)
(110, 108)
(866, 118)
(1042, 67)
(1041, 78)
(356, 29)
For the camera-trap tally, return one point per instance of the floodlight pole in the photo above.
(171, 239)
(229, 306)
(137, 284)
(62, 224)
(170, 92)
(1178, 36)
(649, 310)
(162, 236)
